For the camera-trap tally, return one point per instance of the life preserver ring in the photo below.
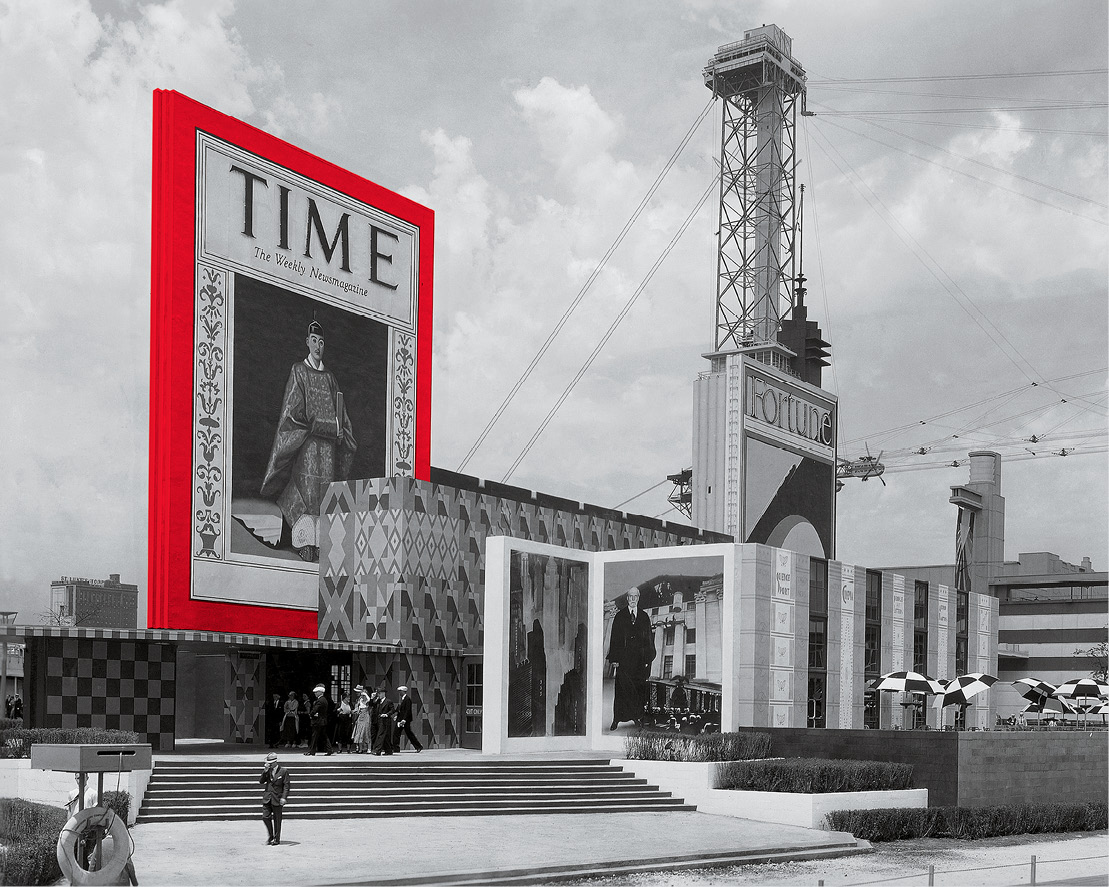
(112, 867)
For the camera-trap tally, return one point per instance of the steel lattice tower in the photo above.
(762, 88)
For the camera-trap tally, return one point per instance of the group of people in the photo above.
(360, 722)
(13, 707)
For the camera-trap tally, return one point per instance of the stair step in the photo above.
(204, 790)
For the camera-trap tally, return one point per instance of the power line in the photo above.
(586, 286)
(972, 176)
(960, 77)
(1072, 106)
(608, 333)
(943, 95)
(971, 406)
(1019, 457)
(643, 493)
(1101, 134)
(981, 320)
(973, 160)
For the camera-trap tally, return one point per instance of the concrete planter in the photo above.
(19, 780)
(696, 783)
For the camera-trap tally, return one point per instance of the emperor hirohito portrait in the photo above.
(313, 447)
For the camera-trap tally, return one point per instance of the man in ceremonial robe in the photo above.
(314, 446)
(631, 650)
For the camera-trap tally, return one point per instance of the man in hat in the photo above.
(275, 792)
(404, 719)
(385, 716)
(313, 447)
(318, 715)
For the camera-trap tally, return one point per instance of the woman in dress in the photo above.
(290, 724)
(361, 720)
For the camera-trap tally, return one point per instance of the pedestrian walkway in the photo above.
(464, 849)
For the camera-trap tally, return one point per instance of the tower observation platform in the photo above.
(761, 87)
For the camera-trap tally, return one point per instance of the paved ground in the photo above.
(435, 848)
(995, 862)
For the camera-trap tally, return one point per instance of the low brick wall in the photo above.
(969, 769)
(1032, 767)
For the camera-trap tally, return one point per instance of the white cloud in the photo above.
(75, 174)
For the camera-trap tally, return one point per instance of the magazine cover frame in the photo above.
(193, 583)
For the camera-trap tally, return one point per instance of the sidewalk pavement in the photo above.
(460, 849)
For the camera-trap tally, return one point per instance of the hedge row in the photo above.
(15, 742)
(9, 723)
(652, 746)
(969, 822)
(815, 776)
(30, 832)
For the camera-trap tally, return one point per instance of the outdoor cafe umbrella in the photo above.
(907, 682)
(960, 690)
(1034, 689)
(1081, 688)
(966, 686)
(1049, 705)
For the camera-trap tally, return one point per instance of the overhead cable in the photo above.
(586, 286)
(978, 178)
(954, 77)
(608, 333)
(980, 318)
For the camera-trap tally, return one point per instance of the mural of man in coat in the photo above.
(631, 651)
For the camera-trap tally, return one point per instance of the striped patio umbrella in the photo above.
(1082, 690)
(966, 686)
(1034, 689)
(1050, 706)
(907, 682)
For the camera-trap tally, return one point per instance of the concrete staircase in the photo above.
(348, 787)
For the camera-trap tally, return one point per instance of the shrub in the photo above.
(16, 742)
(650, 746)
(118, 802)
(815, 775)
(32, 829)
(970, 823)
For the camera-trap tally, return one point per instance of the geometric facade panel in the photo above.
(402, 561)
(111, 684)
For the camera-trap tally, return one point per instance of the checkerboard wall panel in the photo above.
(404, 560)
(111, 684)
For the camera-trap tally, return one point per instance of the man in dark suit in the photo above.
(275, 782)
(404, 719)
(384, 715)
(274, 712)
(631, 650)
(318, 714)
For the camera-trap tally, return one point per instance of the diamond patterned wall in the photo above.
(402, 561)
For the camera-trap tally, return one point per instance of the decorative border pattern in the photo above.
(733, 424)
(209, 426)
(402, 407)
(847, 646)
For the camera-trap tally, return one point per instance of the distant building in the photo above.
(14, 687)
(94, 603)
(1050, 611)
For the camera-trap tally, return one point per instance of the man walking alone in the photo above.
(275, 792)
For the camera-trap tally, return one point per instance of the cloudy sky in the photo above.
(955, 241)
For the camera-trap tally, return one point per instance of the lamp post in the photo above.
(7, 617)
